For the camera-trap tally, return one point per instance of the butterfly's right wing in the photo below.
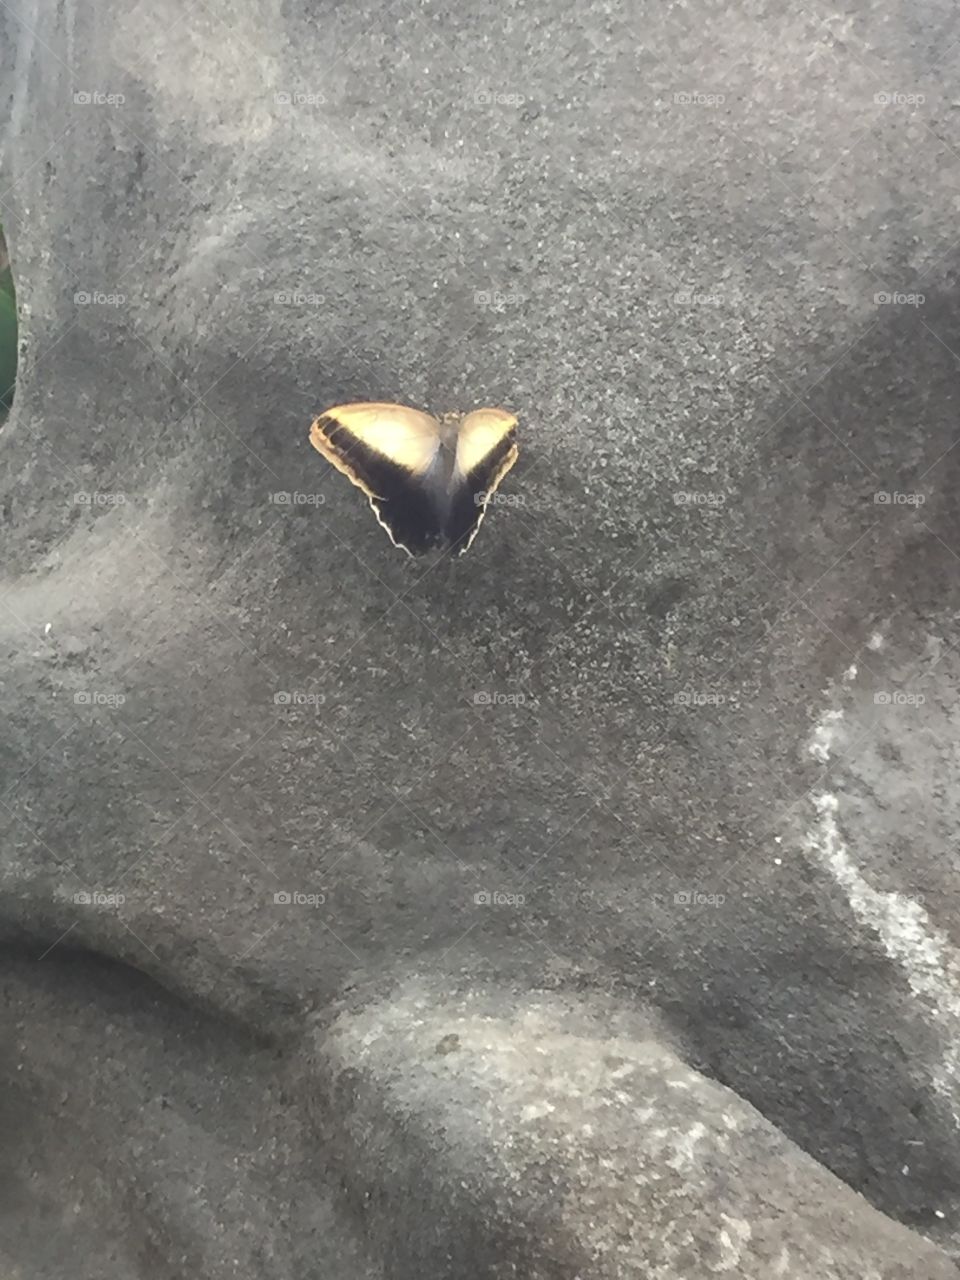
(486, 450)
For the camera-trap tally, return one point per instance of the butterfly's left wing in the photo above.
(486, 450)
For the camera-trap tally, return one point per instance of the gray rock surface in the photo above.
(684, 717)
(568, 1141)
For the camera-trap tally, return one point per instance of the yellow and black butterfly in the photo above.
(428, 479)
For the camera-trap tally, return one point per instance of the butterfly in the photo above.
(428, 480)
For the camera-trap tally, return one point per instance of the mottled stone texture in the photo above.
(563, 1138)
(307, 851)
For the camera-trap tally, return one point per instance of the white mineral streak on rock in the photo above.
(685, 1146)
(911, 940)
(825, 733)
(733, 1236)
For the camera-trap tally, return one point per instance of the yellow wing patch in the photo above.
(406, 437)
(481, 432)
